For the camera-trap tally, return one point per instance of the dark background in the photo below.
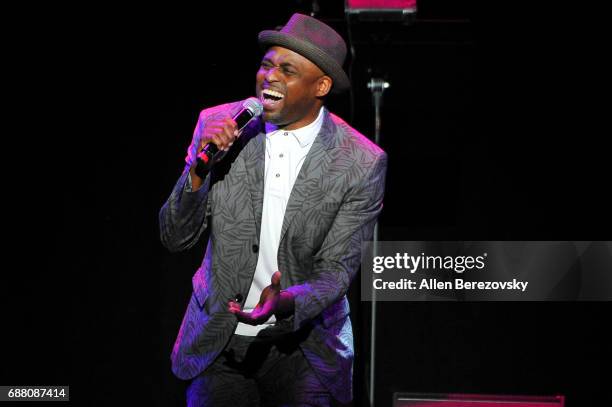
(491, 135)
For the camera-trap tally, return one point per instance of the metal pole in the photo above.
(377, 87)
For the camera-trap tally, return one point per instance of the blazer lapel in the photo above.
(255, 167)
(310, 175)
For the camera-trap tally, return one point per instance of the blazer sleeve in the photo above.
(337, 261)
(183, 217)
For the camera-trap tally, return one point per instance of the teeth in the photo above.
(272, 93)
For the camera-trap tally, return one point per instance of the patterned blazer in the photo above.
(332, 209)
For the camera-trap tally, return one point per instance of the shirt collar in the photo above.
(304, 135)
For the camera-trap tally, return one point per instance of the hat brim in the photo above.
(327, 64)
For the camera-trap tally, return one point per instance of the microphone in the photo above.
(251, 108)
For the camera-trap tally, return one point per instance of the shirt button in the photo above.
(281, 155)
(277, 175)
(255, 248)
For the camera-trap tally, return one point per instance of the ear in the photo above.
(324, 85)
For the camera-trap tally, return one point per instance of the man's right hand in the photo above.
(220, 132)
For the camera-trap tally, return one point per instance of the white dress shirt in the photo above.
(285, 154)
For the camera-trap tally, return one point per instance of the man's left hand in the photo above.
(271, 302)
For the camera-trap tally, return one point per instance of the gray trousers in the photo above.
(258, 371)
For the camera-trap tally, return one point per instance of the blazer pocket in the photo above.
(200, 288)
(335, 312)
(330, 208)
(320, 217)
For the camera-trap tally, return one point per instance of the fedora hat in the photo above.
(315, 41)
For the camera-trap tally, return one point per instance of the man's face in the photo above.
(290, 87)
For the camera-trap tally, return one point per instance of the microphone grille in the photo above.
(253, 105)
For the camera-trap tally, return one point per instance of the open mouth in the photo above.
(271, 97)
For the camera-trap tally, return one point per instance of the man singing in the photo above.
(287, 207)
